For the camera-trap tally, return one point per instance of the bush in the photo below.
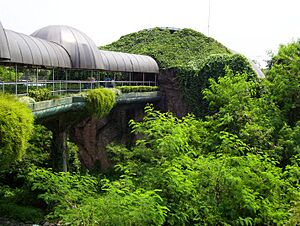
(16, 125)
(25, 214)
(129, 89)
(40, 94)
(75, 199)
(121, 204)
(100, 101)
(201, 188)
(61, 190)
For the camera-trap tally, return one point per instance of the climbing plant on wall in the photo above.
(192, 55)
(170, 49)
(192, 81)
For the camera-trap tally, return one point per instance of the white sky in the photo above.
(251, 27)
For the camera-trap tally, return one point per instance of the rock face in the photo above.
(172, 98)
(92, 135)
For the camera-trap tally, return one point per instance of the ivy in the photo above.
(193, 56)
(169, 49)
(100, 101)
(194, 80)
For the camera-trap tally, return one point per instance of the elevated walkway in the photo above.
(49, 108)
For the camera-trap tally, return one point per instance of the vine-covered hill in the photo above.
(168, 47)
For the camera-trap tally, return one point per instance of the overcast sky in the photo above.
(251, 27)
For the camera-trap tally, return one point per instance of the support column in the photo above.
(66, 81)
(16, 80)
(59, 154)
(53, 88)
(143, 79)
(37, 77)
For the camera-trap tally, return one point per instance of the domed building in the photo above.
(82, 50)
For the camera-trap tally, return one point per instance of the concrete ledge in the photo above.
(44, 109)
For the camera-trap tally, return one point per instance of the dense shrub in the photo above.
(129, 89)
(222, 188)
(26, 214)
(40, 94)
(75, 200)
(119, 205)
(16, 124)
(100, 101)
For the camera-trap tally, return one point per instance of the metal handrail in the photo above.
(65, 86)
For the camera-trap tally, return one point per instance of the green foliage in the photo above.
(129, 89)
(16, 125)
(40, 94)
(198, 188)
(193, 56)
(7, 74)
(240, 110)
(61, 190)
(74, 200)
(11, 207)
(100, 101)
(284, 80)
(295, 219)
(39, 148)
(169, 49)
(195, 79)
(74, 164)
(25, 214)
(119, 205)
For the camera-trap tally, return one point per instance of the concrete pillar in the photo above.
(59, 154)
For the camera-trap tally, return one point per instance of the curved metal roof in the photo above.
(28, 50)
(67, 47)
(4, 51)
(117, 61)
(82, 50)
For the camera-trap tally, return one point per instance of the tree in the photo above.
(284, 81)
(240, 111)
(200, 187)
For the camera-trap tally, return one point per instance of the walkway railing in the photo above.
(58, 87)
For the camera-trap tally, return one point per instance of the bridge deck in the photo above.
(44, 109)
